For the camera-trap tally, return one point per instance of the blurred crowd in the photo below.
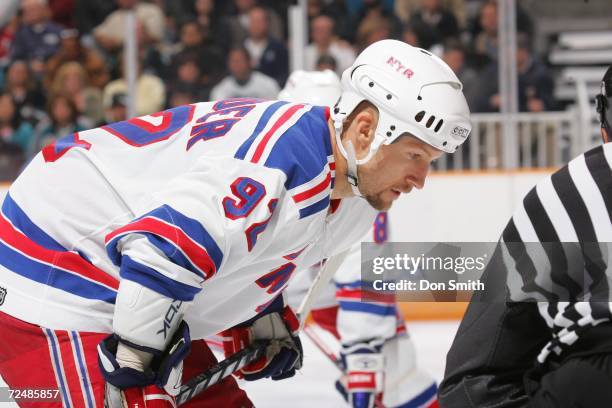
(62, 71)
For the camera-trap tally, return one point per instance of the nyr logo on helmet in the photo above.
(400, 68)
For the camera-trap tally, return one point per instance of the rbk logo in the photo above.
(2, 295)
(169, 317)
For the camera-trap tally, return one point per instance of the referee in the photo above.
(540, 334)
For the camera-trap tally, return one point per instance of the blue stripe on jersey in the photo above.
(155, 281)
(352, 285)
(301, 153)
(57, 278)
(172, 253)
(315, 208)
(193, 228)
(261, 124)
(421, 399)
(372, 308)
(22, 222)
(189, 226)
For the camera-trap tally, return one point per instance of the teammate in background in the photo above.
(199, 215)
(377, 330)
(540, 335)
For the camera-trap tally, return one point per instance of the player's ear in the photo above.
(365, 125)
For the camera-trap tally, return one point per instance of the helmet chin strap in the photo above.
(351, 157)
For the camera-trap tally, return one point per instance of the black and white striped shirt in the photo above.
(571, 282)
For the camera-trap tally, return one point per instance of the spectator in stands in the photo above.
(337, 10)
(434, 24)
(314, 8)
(324, 42)
(150, 91)
(373, 10)
(192, 45)
(71, 79)
(405, 9)
(37, 37)
(371, 30)
(8, 25)
(29, 100)
(243, 81)
(90, 14)
(62, 12)
(71, 49)
(188, 85)
(326, 62)
(454, 56)
(12, 130)
(111, 34)
(116, 108)
(269, 56)
(238, 23)
(485, 44)
(63, 120)
(409, 36)
(535, 83)
(27, 97)
(211, 21)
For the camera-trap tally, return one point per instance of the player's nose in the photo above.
(417, 176)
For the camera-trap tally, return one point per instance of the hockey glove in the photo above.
(283, 355)
(362, 384)
(152, 387)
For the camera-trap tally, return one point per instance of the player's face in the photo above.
(395, 169)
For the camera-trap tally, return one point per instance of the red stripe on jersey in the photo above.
(305, 195)
(196, 253)
(281, 121)
(68, 261)
(150, 127)
(359, 294)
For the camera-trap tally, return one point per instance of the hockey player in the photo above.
(540, 335)
(376, 331)
(199, 215)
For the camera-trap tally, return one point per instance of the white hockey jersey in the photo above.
(216, 202)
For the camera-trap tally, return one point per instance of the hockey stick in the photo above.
(254, 351)
(322, 279)
(221, 370)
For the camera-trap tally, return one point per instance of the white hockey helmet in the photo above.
(314, 87)
(414, 91)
